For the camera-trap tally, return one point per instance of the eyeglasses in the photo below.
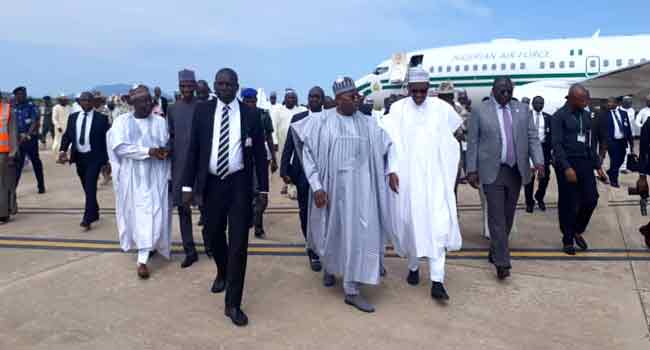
(419, 91)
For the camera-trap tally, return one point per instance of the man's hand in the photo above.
(158, 153)
(570, 176)
(642, 184)
(274, 166)
(601, 175)
(276, 148)
(393, 182)
(22, 138)
(541, 173)
(320, 197)
(286, 179)
(473, 180)
(63, 158)
(187, 198)
(59, 130)
(11, 161)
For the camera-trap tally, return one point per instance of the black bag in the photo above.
(633, 163)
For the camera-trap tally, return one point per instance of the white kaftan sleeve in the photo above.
(311, 170)
(132, 151)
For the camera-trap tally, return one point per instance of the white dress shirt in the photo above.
(642, 116)
(504, 146)
(235, 149)
(85, 148)
(541, 125)
(618, 133)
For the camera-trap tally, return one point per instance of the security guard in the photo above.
(575, 160)
(28, 119)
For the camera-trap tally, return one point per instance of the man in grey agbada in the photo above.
(346, 157)
(180, 130)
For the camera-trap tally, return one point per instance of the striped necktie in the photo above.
(224, 142)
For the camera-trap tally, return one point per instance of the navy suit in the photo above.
(90, 164)
(291, 166)
(617, 148)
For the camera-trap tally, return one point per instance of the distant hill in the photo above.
(112, 89)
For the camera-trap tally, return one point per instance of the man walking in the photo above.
(27, 117)
(542, 123)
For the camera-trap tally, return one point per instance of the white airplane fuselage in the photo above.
(473, 67)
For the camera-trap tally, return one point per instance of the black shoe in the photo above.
(490, 259)
(314, 264)
(218, 286)
(569, 249)
(237, 316)
(41, 190)
(615, 184)
(530, 208)
(152, 253)
(541, 205)
(503, 272)
(208, 252)
(581, 243)
(382, 271)
(189, 260)
(4, 220)
(438, 291)
(85, 225)
(413, 278)
(260, 234)
(360, 303)
(328, 280)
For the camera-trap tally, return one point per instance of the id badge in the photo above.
(581, 138)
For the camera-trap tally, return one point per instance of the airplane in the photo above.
(607, 66)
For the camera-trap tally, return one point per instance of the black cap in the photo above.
(20, 88)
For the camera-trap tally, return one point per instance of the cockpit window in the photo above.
(380, 70)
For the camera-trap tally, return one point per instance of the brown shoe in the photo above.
(143, 271)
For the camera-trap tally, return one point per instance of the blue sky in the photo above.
(75, 45)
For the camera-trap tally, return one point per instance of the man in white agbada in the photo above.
(425, 221)
(136, 148)
(281, 118)
(346, 157)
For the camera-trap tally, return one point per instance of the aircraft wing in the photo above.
(632, 80)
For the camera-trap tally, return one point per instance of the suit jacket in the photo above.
(600, 134)
(625, 127)
(200, 148)
(644, 149)
(484, 141)
(290, 164)
(98, 130)
(163, 104)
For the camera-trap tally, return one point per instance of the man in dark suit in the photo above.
(620, 136)
(161, 99)
(542, 123)
(644, 164)
(86, 133)
(226, 147)
(292, 172)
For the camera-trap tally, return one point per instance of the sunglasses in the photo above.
(419, 91)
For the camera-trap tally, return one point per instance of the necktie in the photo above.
(510, 145)
(82, 137)
(224, 142)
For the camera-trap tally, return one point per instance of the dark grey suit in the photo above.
(501, 183)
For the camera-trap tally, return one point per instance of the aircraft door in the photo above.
(592, 66)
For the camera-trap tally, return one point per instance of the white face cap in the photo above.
(418, 75)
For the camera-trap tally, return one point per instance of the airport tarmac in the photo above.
(63, 288)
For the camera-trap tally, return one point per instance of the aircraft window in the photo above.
(592, 63)
(551, 65)
(619, 62)
(440, 69)
(466, 68)
(580, 52)
(431, 69)
(643, 60)
(485, 67)
(572, 52)
(605, 63)
(457, 68)
(475, 67)
(561, 64)
(381, 70)
(630, 62)
(513, 66)
(494, 66)
(542, 65)
(448, 69)
(522, 65)
(572, 64)
(503, 66)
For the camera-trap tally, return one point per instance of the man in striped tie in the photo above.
(226, 147)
